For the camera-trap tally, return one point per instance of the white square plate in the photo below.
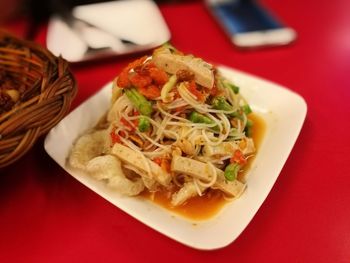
(283, 112)
(137, 21)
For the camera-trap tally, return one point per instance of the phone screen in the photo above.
(240, 16)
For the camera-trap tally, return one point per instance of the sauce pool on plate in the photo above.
(208, 205)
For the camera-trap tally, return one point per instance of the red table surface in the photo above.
(47, 216)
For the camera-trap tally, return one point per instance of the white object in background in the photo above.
(61, 40)
(137, 21)
(98, 39)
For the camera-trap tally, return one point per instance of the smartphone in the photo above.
(249, 24)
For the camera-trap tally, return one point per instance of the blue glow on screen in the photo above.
(245, 16)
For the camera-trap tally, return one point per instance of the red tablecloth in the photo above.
(47, 216)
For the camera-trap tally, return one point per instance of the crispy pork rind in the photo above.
(109, 167)
(86, 148)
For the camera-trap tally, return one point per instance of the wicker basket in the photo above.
(39, 88)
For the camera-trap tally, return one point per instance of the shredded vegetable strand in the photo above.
(162, 128)
(173, 116)
(143, 135)
(190, 99)
(158, 152)
(195, 181)
(177, 104)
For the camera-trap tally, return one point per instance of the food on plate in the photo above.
(175, 125)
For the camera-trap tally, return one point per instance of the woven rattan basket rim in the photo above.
(49, 85)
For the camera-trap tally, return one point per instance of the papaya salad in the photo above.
(174, 124)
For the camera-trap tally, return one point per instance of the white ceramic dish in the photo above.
(138, 21)
(283, 111)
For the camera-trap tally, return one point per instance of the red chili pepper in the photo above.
(163, 163)
(122, 134)
(157, 160)
(127, 124)
(180, 109)
(238, 157)
(135, 122)
(114, 137)
(193, 89)
(214, 91)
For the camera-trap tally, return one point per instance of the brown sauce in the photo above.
(208, 205)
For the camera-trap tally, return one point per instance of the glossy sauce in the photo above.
(208, 205)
